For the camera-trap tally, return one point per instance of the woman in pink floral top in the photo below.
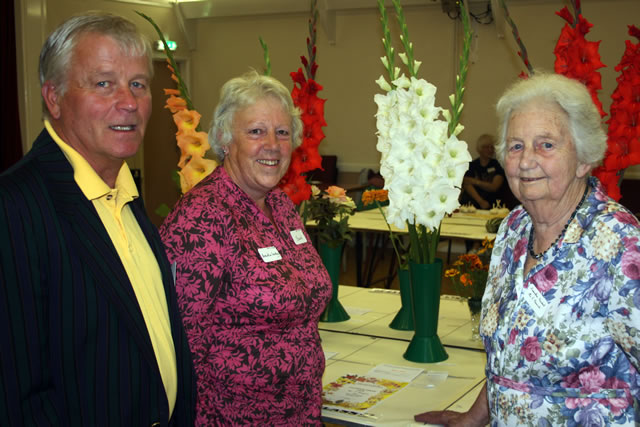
(561, 311)
(250, 284)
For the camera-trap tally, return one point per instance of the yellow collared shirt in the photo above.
(135, 253)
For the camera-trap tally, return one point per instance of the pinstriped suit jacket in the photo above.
(74, 348)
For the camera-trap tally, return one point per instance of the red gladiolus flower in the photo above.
(624, 125)
(306, 157)
(578, 58)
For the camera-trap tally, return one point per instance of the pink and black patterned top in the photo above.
(252, 325)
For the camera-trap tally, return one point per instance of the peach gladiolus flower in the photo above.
(192, 144)
(186, 120)
(197, 169)
(175, 104)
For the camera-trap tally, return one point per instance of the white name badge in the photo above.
(491, 170)
(298, 237)
(269, 254)
(535, 300)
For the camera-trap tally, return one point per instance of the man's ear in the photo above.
(51, 99)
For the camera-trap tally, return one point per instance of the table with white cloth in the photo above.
(365, 340)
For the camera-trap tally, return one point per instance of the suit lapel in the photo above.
(88, 239)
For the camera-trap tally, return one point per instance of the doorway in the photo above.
(160, 152)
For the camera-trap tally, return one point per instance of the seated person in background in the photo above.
(484, 178)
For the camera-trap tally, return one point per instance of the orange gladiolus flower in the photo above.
(175, 92)
(195, 171)
(175, 104)
(192, 144)
(186, 120)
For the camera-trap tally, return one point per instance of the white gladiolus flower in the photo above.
(383, 84)
(404, 58)
(402, 82)
(423, 166)
(385, 61)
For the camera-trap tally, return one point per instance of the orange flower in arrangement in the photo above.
(371, 196)
(399, 246)
(330, 209)
(469, 272)
(192, 142)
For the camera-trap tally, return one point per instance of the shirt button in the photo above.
(109, 197)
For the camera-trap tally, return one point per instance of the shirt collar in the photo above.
(90, 183)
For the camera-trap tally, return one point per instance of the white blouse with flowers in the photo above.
(563, 343)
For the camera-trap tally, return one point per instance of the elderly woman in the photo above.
(250, 285)
(561, 310)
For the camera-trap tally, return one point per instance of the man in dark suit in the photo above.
(90, 333)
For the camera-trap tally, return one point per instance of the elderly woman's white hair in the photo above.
(572, 96)
(241, 92)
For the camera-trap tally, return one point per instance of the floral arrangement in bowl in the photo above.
(330, 209)
(468, 273)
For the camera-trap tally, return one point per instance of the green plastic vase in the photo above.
(404, 318)
(331, 257)
(425, 346)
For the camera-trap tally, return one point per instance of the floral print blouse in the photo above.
(563, 343)
(251, 295)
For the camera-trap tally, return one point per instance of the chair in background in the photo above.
(326, 176)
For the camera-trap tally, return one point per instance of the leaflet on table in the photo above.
(359, 393)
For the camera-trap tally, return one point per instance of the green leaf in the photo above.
(163, 210)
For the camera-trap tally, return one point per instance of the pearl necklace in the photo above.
(564, 230)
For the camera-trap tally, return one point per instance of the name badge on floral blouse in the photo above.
(535, 299)
(269, 254)
(298, 237)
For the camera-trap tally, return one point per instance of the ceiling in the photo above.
(223, 8)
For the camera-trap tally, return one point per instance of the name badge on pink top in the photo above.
(298, 237)
(269, 254)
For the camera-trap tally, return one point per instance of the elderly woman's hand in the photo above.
(447, 418)
(478, 414)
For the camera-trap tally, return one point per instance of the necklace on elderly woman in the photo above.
(561, 235)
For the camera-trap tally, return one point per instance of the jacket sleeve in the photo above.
(26, 390)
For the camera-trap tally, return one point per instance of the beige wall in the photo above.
(347, 69)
